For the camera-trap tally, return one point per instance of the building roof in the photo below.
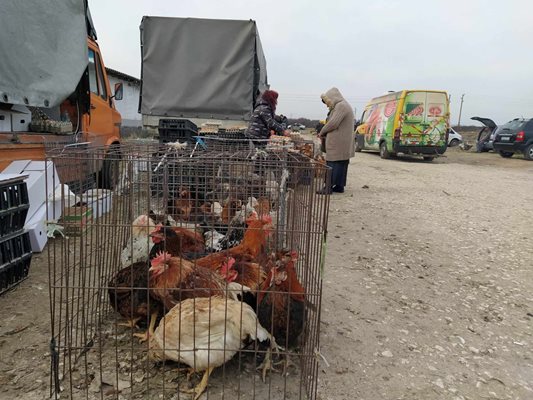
(122, 75)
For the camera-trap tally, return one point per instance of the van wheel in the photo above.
(357, 146)
(528, 152)
(110, 172)
(383, 152)
(506, 154)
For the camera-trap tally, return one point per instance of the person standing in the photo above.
(339, 136)
(264, 118)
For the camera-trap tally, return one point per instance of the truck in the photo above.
(201, 70)
(412, 122)
(54, 90)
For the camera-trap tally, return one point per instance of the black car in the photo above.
(515, 136)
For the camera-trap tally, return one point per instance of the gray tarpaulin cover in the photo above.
(43, 50)
(200, 68)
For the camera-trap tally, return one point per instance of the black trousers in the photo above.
(339, 172)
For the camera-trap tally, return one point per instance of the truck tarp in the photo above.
(200, 68)
(44, 50)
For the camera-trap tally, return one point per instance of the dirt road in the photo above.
(427, 294)
(428, 291)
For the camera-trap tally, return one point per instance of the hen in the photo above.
(178, 241)
(128, 294)
(281, 301)
(138, 245)
(205, 333)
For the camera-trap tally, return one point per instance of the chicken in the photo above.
(181, 206)
(205, 333)
(263, 206)
(229, 210)
(128, 294)
(253, 244)
(174, 279)
(176, 240)
(281, 302)
(138, 246)
(243, 271)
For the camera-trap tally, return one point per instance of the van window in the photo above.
(101, 83)
(93, 84)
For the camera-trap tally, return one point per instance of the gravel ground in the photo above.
(427, 291)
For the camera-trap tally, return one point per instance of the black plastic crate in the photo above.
(172, 135)
(14, 205)
(15, 259)
(172, 130)
(177, 124)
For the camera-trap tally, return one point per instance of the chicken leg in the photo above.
(143, 337)
(200, 388)
(267, 363)
(131, 323)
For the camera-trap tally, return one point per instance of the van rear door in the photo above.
(425, 119)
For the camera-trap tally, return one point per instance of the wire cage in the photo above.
(198, 274)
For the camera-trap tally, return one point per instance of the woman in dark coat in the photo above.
(264, 118)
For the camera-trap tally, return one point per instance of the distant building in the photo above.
(129, 104)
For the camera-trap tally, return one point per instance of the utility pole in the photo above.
(460, 110)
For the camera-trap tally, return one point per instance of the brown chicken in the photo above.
(281, 302)
(182, 205)
(230, 210)
(128, 294)
(244, 271)
(253, 245)
(178, 241)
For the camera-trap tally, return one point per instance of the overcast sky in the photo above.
(480, 48)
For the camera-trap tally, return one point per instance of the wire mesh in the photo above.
(219, 248)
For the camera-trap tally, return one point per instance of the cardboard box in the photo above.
(75, 220)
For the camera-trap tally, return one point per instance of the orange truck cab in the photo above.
(28, 128)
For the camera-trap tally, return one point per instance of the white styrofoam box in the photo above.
(36, 228)
(5, 121)
(20, 118)
(38, 187)
(100, 200)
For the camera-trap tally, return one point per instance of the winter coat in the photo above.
(339, 132)
(263, 121)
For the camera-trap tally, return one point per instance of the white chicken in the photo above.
(138, 245)
(205, 333)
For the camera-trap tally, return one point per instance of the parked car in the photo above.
(454, 138)
(515, 136)
(485, 137)
(296, 127)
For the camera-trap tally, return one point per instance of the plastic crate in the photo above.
(172, 130)
(14, 205)
(15, 260)
(177, 124)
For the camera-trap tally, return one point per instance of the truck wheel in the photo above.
(357, 146)
(506, 154)
(528, 152)
(383, 152)
(111, 168)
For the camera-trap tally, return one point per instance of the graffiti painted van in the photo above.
(407, 122)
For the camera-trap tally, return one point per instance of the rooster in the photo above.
(281, 302)
(205, 333)
(253, 244)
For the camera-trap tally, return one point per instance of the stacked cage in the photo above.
(15, 247)
(203, 275)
